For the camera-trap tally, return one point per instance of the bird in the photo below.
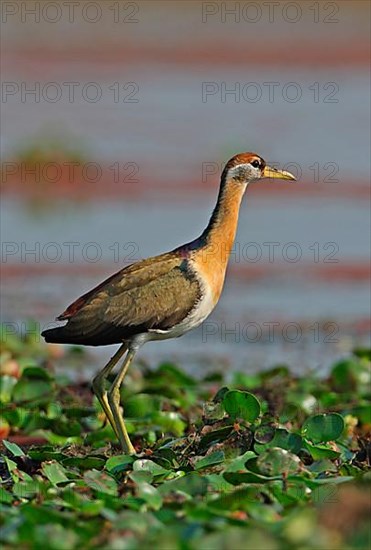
(163, 296)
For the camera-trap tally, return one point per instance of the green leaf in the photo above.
(192, 484)
(250, 381)
(7, 384)
(5, 496)
(241, 404)
(169, 422)
(281, 438)
(276, 461)
(119, 463)
(238, 463)
(323, 427)
(13, 448)
(141, 405)
(54, 472)
(219, 396)
(12, 468)
(46, 452)
(363, 412)
(32, 392)
(29, 489)
(319, 452)
(350, 375)
(54, 536)
(101, 482)
(363, 353)
(323, 465)
(236, 478)
(213, 458)
(36, 373)
(66, 427)
(150, 495)
(84, 462)
(141, 476)
(216, 436)
(265, 434)
(175, 376)
(149, 466)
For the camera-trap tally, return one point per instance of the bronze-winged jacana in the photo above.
(160, 297)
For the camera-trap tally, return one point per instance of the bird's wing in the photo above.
(157, 293)
(132, 276)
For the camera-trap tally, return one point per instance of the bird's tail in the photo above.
(56, 335)
(72, 334)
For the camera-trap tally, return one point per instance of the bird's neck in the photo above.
(213, 248)
(220, 233)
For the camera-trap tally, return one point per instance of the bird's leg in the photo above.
(114, 403)
(99, 384)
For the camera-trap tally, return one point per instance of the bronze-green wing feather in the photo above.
(156, 293)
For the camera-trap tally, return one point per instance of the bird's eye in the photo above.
(255, 163)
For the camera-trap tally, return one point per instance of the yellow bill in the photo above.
(277, 174)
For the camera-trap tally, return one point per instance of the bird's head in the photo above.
(245, 168)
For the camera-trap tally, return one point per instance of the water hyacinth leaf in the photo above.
(250, 381)
(363, 412)
(101, 482)
(241, 404)
(335, 480)
(169, 422)
(364, 353)
(323, 427)
(320, 451)
(219, 396)
(175, 376)
(215, 436)
(119, 463)
(265, 434)
(13, 448)
(57, 537)
(141, 405)
(63, 426)
(347, 374)
(192, 484)
(12, 468)
(36, 373)
(32, 392)
(150, 495)
(239, 462)
(5, 496)
(217, 484)
(149, 466)
(281, 438)
(79, 412)
(46, 452)
(7, 384)
(29, 489)
(237, 478)
(276, 461)
(53, 410)
(213, 411)
(140, 477)
(290, 412)
(213, 458)
(236, 499)
(323, 465)
(55, 472)
(85, 463)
